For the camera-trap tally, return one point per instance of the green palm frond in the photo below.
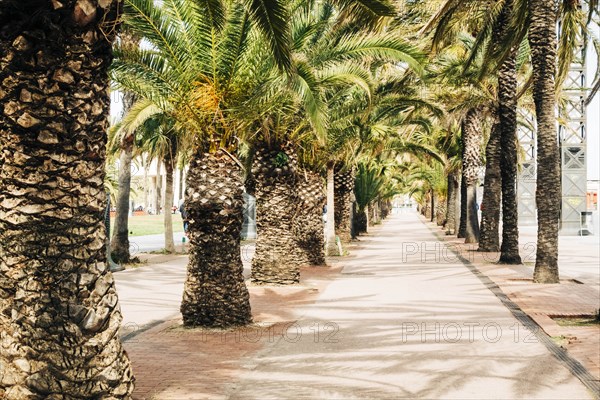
(142, 111)
(368, 183)
(386, 47)
(572, 27)
(232, 46)
(214, 11)
(305, 85)
(346, 74)
(376, 7)
(271, 17)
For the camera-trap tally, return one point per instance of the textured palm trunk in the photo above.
(360, 221)
(433, 204)
(181, 180)
(489, 239)
(451, 206)
(427, 206)
(59, 311)
(158, 192)
(344, 189)
(507, 94)
(215, 294)
(542, 40)
(168, 202)
(277, 258)
(371, 214)
(309, 222)
(146, 183)
(376, 212)
(330, 237)
(440, 213)
(385, 209)
(119, 245)
(462, 199)
(471, 135)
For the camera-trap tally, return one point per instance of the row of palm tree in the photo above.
(266, 97)
(237, 98)
(502, 53)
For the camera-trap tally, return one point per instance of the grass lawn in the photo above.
(141, 225)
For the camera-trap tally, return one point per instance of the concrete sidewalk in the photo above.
(395, 323)
(576, 296)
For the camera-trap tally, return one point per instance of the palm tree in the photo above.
(328, 64)
(468, 101)
(195, 73)
(119, 245)
(542, 40)
(369, 183)
(275, 170)
(343, 188)
(423, 181)
(448, 144)
(538, 23)
(59, 313)
(507, 115)
(160, 139)
(156, 136)
(308, 227)
(489, 239)
(471, 139)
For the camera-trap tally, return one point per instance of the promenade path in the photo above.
(403, 319)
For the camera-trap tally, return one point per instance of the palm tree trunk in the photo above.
(59, 310)
(344, 188)
(440, 213)
(542, 40)
(158, 193)
(119, 245)
(168, 202)
(330, 238)
(451, 208)
(462, 226)
(492, 187)
(277, 258)
(361, 221)
(309, 222)
(181, 180)
(385, 208)
(507, 94)
(471, 136)
(215, 294)
(146, 183)
(355, 218)
(427, 206)
(432, 194)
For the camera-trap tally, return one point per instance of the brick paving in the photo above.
(171, 362)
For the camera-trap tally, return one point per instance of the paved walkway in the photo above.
(397, 322)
